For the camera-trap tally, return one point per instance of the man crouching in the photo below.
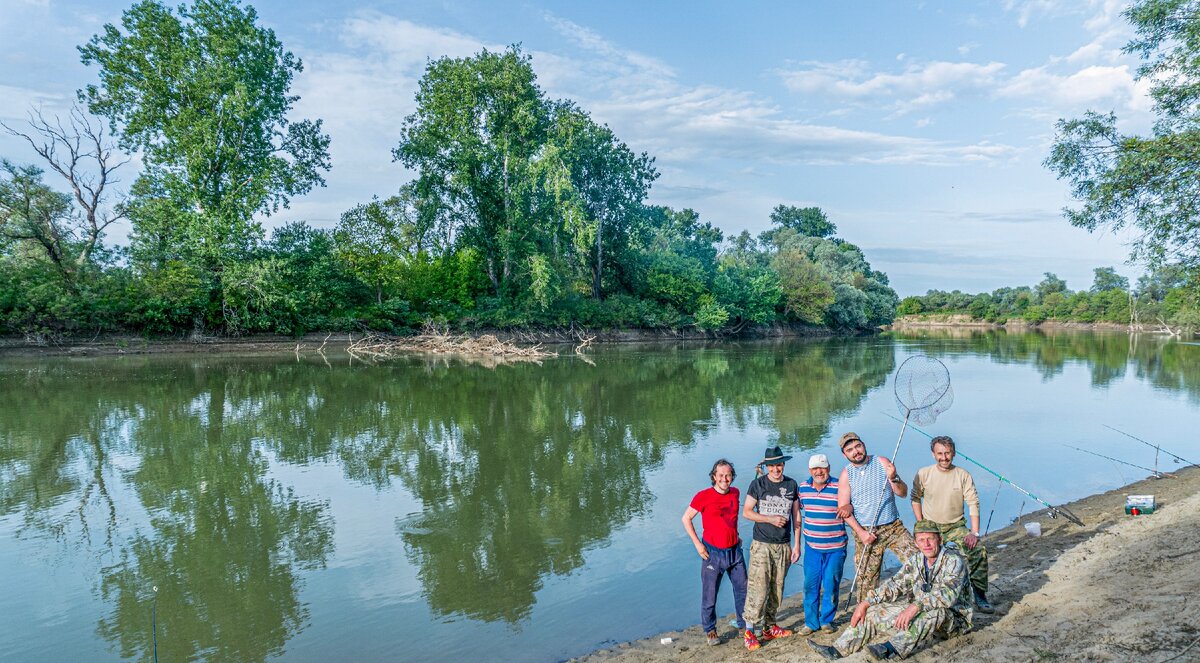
(927, 596)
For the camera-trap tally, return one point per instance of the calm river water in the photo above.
(431, 509)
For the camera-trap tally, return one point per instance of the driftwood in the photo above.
(434, 341)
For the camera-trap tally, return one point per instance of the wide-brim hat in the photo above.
(774, 456)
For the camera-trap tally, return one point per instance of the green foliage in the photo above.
(202, 93)
(473, 139)
(807, 221)
(1157, 296)
(524, 211)
(1107, 278)
(1148, 182)
(710, 315)
(910, 306)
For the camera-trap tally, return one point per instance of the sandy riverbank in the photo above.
(1121, 588)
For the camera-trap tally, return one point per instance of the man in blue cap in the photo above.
(771, 505)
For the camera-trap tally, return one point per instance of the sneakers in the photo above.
(712, 639)
(882, 651)
(751, 642)
(828, 628)
(981, 603)
(775, 632)
(828, 653)
(805, 630)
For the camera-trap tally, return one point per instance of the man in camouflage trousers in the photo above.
(938, 494)
(929, 596)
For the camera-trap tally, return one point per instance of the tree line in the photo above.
(1164, 296)
(524, 210)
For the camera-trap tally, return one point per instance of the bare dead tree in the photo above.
(84, 154)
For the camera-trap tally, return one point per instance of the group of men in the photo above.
(944, 575)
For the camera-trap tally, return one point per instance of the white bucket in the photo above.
(1033, 529)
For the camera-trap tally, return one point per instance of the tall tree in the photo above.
(1151, 183)
(1107, 278)
(608, 183)
(202, 92)
(478, 126)
(82, 153)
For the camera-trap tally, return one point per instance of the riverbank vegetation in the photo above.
(523, 212)
(1164, 298)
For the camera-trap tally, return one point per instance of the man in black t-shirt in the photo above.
(772, 506)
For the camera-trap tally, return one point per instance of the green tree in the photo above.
(34, 216)
(1107, 278)
(202, 93)
(378, 238)
(607, 182)
(808, 221)
(1147, 182)
(479, 124)
(1050, 284)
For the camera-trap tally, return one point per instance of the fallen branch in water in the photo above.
(433, 341)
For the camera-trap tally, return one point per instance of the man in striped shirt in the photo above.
(824, 546)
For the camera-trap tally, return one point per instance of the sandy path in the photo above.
(1121, 588)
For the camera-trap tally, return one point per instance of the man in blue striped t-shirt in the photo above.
(824, 546)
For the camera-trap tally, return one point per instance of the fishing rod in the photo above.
(1154, 446)
(154, 622)
(1156, 473)
(1055, 511)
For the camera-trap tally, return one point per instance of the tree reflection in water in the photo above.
(161, 467)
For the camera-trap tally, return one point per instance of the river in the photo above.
(252, 508)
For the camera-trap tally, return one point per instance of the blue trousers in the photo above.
(721, 561)
(822, 577)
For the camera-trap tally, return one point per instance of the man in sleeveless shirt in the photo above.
(771, 505)
(721, 550)
(938, 494)
(867, 492)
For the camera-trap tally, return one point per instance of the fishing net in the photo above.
(922, 388)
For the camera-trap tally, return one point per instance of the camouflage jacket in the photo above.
(947, 587)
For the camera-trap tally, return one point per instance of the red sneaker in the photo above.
(751, 641)
(776, 632)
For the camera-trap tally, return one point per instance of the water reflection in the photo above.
(165, 468)
(1155, 359)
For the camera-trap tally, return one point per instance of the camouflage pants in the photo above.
(892, 536)
(880, 620)
(977, 562)
(769, 564)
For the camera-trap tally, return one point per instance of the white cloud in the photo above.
(918, 86)
(1090, 85)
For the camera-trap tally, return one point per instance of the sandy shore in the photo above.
(1121, 588)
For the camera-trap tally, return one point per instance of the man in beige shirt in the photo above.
(938, 494)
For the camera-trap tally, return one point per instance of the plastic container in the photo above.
(1033, 529)
(1137, 505)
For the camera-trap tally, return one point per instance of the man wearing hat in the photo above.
(939, 492)
(824, 546)
(867, 492)
(771, 505)
(929, 596)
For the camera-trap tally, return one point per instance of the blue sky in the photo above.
(919, 127)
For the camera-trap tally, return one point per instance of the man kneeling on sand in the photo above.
(929, 596)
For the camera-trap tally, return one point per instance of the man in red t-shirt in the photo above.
(721, 550)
